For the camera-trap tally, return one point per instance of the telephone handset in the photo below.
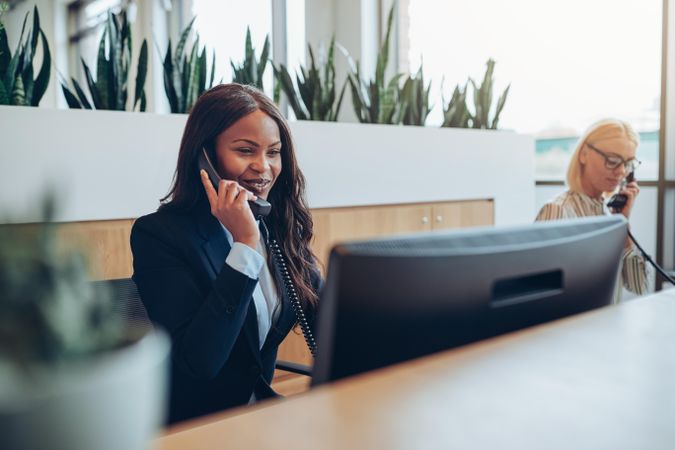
(618, 201)
(259, 207)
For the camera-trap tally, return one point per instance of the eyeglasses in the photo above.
(613, 161)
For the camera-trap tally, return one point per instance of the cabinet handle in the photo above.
(439, 219)
(425, 220)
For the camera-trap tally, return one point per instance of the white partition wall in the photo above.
(111, 165)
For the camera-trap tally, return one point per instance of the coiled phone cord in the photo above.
(651, 261)
(291, 293)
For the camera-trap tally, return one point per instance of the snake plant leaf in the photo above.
(456, 114)
(180, 47)
(18, 96)
(500, 106)
(5, 53)
(383, 55)
(4, 97)
(141, 72)
(13, 67)
(264, 56)
(360, 106)
(72, 101)
(42, 80)
(93, 90)
(334, 114)
(168, 79)
(201, 82)
(102, 71)
(286, 84)
(192, 72)
(80, 94)
(248, 45)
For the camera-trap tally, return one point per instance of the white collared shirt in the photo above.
(253, 264)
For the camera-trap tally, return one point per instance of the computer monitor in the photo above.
(389, 300)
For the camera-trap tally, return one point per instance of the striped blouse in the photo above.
(571, 204)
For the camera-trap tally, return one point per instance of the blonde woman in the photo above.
(603, 158)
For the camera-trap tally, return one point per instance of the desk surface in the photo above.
(601, 380)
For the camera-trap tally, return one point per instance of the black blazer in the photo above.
(207, 308)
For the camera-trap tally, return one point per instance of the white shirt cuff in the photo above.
(244, 259)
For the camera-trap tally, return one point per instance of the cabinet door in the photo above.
(470, 213)
(335, 225)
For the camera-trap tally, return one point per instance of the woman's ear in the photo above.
(583, 154)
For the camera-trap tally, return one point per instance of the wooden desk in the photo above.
(601, 380)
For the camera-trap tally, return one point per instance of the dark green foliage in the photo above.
(251, 69)
(415, 100)
(315, 97)
(455, 113)
(185, 73)
(50, 313)
(482, 100)
(17, 85)
(109, 90)
(376, 101)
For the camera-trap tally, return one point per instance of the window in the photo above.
(222, 27)
(569, 64)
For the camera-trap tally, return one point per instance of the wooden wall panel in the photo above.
(105, 242)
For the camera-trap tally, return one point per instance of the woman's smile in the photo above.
(256, 185)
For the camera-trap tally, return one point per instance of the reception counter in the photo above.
(600, 380)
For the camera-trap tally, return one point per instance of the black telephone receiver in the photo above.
(618, 201)
(259, 207)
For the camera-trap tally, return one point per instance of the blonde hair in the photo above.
(599, 131)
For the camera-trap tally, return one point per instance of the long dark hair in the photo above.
(290, 221)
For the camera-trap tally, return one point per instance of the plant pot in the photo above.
(115, 400)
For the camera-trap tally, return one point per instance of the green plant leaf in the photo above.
(80, 94)
(4, 97)
(286, 84)
(42, 79)
(500, 106)
(103, 72)
(141, 72)
(5, 53)
(180, 47)
(143, 102)
(192, 83)
(168, 80)
(93, 90)
(18, 96)
(263, 60)
(72, 101)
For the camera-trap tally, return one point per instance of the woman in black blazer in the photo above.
(200, 263)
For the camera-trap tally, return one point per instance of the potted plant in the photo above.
(17, 85)
(185, 73)
(377, 101)
(109, 90)
(315, 97)
(251, 69)
(73, 374)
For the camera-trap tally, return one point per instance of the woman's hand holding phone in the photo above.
(631, 191)
(229, 205)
